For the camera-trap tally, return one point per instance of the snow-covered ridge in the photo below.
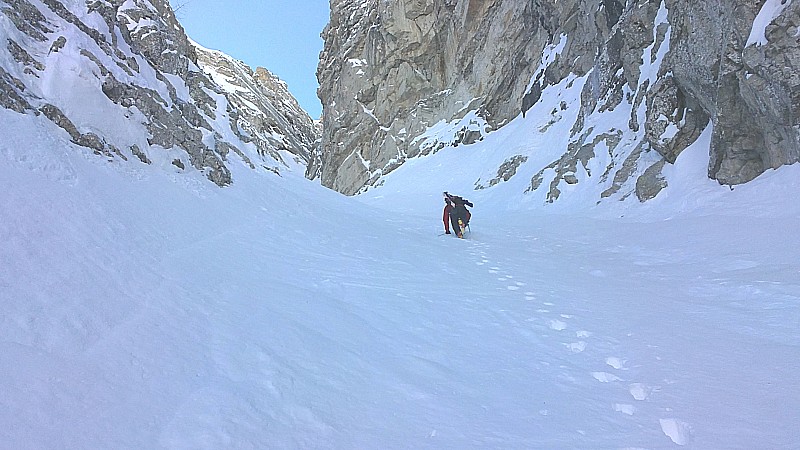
(121, 79)
(268, 113)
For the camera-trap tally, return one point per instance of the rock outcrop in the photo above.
(121, 78)
(265, 111)
(394, 75)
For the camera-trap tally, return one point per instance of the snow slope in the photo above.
(141, 308)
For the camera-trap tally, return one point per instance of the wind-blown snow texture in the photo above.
(147, 309)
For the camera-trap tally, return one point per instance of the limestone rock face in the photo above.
(666, 71)
(121, 78)
(391, 70)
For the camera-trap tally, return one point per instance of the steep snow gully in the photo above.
(148, 309)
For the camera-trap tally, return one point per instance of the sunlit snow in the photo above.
(142, 306)
(148, 309)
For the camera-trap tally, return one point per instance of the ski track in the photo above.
(678, 431)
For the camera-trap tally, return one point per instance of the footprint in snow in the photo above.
(512, 288)
(640, 391)
(625, 408)
(680, 432)
(576, 347)
(583, 334)
(616, 363)
(557, 325)
(605, 377)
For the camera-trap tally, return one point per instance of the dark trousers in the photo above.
(459, 213)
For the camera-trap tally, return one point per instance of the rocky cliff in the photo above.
(639, 81)
(121, 78)
(265, 109)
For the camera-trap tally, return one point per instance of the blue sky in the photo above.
(281, 35)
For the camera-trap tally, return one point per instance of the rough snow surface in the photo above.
(141, 308)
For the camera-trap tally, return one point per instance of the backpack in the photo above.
(458, 201)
